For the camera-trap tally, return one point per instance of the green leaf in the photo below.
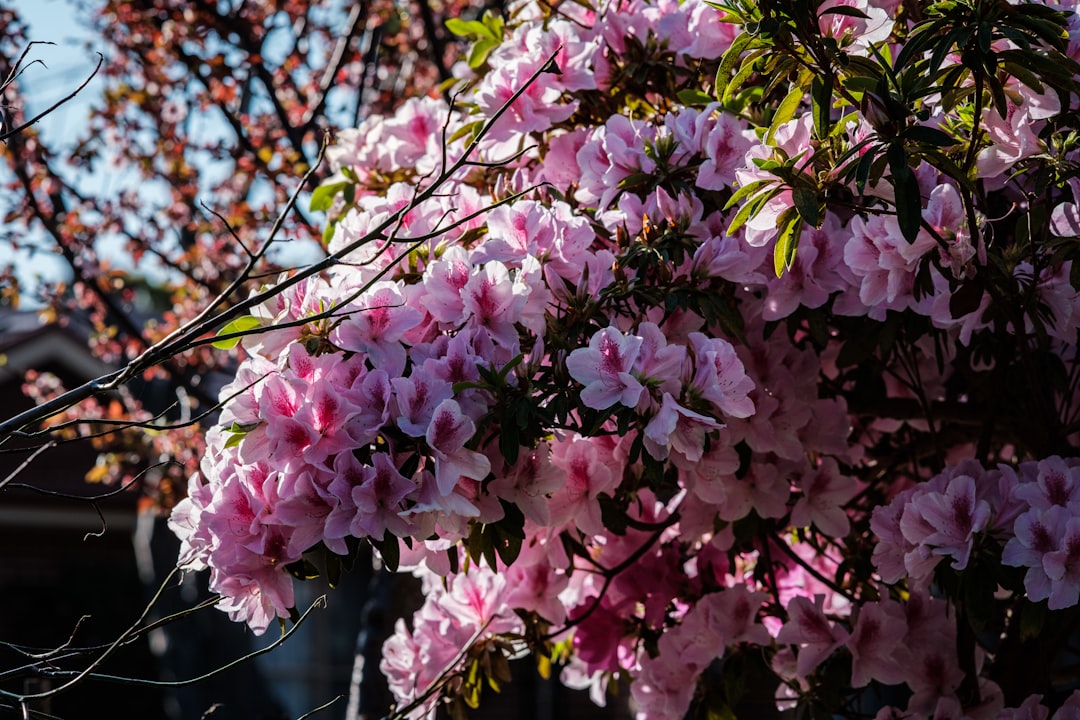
(821, 89)
(508, 547)
(333, 569)
(862, 170)
(745, 191)
(929, 135)
(490, 554)
(791, 225)
(472, 688)
(469, 28)
(858, 348)
(480, 51)
(389, 550)
(845, 10)
(751, 208)
(241, 324)
(1032, 619)
(1024, 75)
(806, 203)
(728, 63)
(966, 299)
(785, 111)
(322, 198)
(472, 128)
(692, 97)
(997, 94)
(744, 73)
(906, 187)
(303, 569)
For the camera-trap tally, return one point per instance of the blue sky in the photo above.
(67, 64)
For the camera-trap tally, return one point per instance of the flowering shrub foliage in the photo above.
(709, 385)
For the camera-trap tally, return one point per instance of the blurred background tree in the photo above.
(175, 160)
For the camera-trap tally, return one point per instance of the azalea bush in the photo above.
(724, 351)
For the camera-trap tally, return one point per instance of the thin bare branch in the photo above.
(54, 106)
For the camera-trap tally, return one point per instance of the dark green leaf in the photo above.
(966, 299)
(858, 348)
(929, 135)
(508, 547)
(906, 187)
(390, 551)
(303, 569)
(806, 203)
(845, 10)
(1032, 619)
(821, 96)
(490, 554)
(862, 170)
(333, 568)
(1024, 75)
(744, 73)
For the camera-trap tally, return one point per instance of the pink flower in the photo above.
(879, 630)
(814, 276)
(492, 300)
(727, 618)
(1037, 533)
(808, 628)
(604, 369)
(378, 500)
(443, 281)
(1063, 568)
(417, 397)
(597, 637)
(659, 364)
(613, 152)
(720, 377)
(257, 598)
(1057, 483)
(535, 110)
(953, 518)
(854, 33)
(932, 673)
(1014, 137)
(724, 148)
(587, 475)
(446, 435)
(680, 429)
(375, 325)
(825, 491)
(883, 263)
(892, 546)
(302, 503)
(529, 483)
(536, 587)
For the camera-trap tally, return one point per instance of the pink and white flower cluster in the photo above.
(1031, 512)
(676, 459)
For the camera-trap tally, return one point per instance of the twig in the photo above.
(319, 602)
(22, 466)
(58, 103)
